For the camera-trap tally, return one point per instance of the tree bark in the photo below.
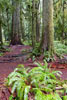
(63, 35)
(22, 24)
(33, 24)
(16, 34)
(37, 22)
(8, 24)
(0, 31)
(48, 29)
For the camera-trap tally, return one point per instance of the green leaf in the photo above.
(64, 97)
(11, 97)
(27, 89)
(14, 87)
(39, 95)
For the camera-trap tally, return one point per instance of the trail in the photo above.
(10, 60)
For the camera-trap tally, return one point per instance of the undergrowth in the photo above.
(36, 51)
(1, 54)
(27, 42)
(48, 57)
(6, 43)
(3, 50)
(60, 48)
(40, 81)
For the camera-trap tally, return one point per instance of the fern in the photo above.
(37, 80)
(27, 89)
(40, 96)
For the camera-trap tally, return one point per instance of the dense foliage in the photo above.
(6, 11)
(60, 48)
(40, 81)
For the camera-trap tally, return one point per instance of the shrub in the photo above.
(60, 48)
(40, 81)
(48, 57)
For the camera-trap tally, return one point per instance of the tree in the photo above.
(37, 21)
(0, 30)
(33, 24)
(21, 23)
(1, 23)
(63, 35)
(48, 29)
(16, 34)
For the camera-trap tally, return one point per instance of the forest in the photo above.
(33, 49)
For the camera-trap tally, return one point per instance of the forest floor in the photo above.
(10, 60)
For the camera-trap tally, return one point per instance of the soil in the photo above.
(10, 60)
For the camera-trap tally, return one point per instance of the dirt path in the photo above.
(10, 60)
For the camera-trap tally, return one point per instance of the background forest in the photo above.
(22, 21)
(33, 43)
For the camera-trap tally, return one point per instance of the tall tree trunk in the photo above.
(21, 23)
(8, 24)
(37, 22)
(16, 34)
(63, 22)
(0, 31)
(48, 29)
(33, 24)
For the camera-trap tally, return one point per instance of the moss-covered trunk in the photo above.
(0, 31)
(37, 22)
(63, 34)
(16, 34)
(21, 23)
(33, 24)
(48, 28)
